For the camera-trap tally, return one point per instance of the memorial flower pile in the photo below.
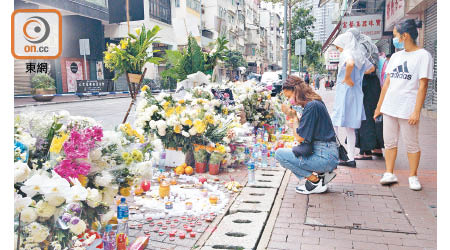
(68, 171)
(179, 123)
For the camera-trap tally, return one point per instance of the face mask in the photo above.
(397, 43)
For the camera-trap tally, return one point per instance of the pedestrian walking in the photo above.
(348, 109)
(317, 82)
(317, 156)
(307, 77)
(402, 98)
(369, 137)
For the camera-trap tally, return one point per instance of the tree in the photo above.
(234, 60)
(291, 3)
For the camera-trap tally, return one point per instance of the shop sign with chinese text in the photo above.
(395, 11)
(370, 25)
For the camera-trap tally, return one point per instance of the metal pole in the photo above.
(284, 63)
(85, 70)
(299, 66)
(128, 16)
(302, 63)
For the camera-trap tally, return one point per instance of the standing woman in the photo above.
(348, 109)
(402, 98)
(369, 137)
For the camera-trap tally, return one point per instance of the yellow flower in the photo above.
(177, 129)
(166, 104)
(199, 126)
(83, 180)
(170, 111)
(178, 110)
(137, 155)
(225, 111)
(138, 31)
(188, 122)
(108, 56)
(209, 119)
(58, 142)
(123, 44)
(221, 149)
(181, 101)
(143, 89)
(125, 155)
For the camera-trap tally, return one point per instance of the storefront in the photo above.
(430, 44)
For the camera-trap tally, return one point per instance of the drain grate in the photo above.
(351, 210)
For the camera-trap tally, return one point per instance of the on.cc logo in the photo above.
(36, 29)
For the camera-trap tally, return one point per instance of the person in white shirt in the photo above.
(402, 98)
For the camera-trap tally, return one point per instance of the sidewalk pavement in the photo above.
(29, 101)
(357, 212)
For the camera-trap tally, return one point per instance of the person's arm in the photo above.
(298, 138)
(382, 94)
(420, 99)
(369, 71)
(348, 73)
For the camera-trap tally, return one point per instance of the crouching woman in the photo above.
(317, 155)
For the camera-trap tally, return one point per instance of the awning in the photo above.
(333, 36)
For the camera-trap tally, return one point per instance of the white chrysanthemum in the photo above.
(28, 215)
(77, 191)
(44, 209)
(152, 124)
(103, 180)
(34, 185)
(185, 134)
(55, 200)
(192, 131)
(95, 154)
(78, 228)
(37, 232)
(21, 171)
(21, 202)
(93, 197)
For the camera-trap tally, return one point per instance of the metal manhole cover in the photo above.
(357, 211)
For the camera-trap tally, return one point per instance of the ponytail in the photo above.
(409, 26)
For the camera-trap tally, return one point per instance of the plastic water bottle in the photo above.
(266, 137)
(273, 161)
(264, 156)
(251, 173)
(162, 161)
(109, 239)
(122, 216)
(256, 155)
(247, 154)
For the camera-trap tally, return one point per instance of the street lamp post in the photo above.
(284, 63)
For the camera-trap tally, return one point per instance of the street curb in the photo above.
(64, 102)
(270, 223)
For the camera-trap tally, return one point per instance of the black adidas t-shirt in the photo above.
(315, 124)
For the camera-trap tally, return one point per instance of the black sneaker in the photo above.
(327, 177)
(351, 164)
(312, 188)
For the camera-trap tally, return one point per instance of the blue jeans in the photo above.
(324, 158)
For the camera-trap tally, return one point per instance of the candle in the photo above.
(159, 223)
(140, 225)
(152, 224)
(161, 233)
(156, 229)
(185, 226)
(183, 217)
(189, 229)
(199, 223)
(192, 234)
(172, 234)
(171, 238)
(164, 227)
(173, 226)
(192, 224)
(175, 221)
(188, 205)
(149, 219)
(182, 235)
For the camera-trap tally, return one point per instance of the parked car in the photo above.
(256, 77)
(273, 79)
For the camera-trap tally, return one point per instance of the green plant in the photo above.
(42, 81)
(132, 52)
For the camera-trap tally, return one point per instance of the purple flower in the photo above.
(74, 207)
(74, 220)
(66, 217)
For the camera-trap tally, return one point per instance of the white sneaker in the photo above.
(414, 183)
(312, 188)
(388, 178)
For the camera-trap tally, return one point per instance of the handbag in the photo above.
(342, 151)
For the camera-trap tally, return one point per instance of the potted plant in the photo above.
(43, 84)
(131, 54)
(201, 157)
(216, 158)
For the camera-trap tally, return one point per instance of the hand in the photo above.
(414, 118)
(298, 138)
(285, 108)
(376, 114)
(349, 82)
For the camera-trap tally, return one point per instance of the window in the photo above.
(160, 10)
(193, 4)
(253, 51)
(177, 3)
